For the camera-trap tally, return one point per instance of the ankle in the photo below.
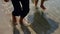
(42, 7)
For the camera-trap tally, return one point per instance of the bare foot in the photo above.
(26, 23)
(43, 7)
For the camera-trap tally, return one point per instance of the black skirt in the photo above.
(18, 10)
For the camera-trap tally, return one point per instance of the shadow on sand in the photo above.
(15, 30)
(41, 26)
(24, 29)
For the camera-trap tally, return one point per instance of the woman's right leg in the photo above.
(14, 20)
(25, 11)
(15, 13)
(42, 4)
(36, 2)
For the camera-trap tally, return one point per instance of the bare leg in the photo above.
(42, 6)
(14, 20)
(21, 20)
(36, 2)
